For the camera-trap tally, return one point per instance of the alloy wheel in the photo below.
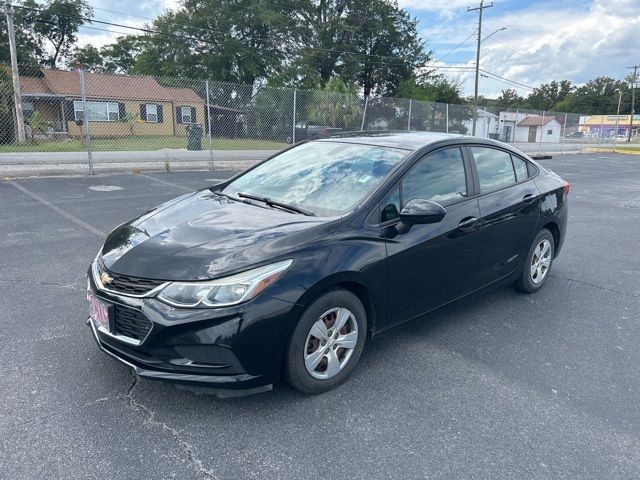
(540, 261)
(330, 343)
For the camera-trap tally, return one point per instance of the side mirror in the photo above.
(420, 211)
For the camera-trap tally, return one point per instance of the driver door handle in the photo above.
(467, 222)
(528, 198)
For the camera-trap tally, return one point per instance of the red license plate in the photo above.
(99, 311)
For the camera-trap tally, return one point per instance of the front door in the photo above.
(508, 213)
(532, 134)
(430, 265)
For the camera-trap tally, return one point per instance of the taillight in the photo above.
(566, 186)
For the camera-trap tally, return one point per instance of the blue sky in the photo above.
(544, 40)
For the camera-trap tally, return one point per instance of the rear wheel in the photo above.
(537, 263)
(327, 342)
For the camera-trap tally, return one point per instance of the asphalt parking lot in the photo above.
(500, 386)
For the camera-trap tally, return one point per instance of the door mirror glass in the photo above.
(420, 211)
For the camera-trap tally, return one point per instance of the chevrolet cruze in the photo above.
(285, 270)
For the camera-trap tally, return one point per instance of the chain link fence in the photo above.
(82, 122)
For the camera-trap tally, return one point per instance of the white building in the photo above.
(486, 125)
(507, 125)
(534, 129)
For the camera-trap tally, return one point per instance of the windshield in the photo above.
(326, 178)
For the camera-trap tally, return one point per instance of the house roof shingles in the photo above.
(535, 121)
(101, 86)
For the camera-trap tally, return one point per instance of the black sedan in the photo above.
(286, 269)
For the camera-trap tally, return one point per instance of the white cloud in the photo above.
(545, 42)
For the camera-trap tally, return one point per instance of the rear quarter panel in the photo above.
(553, 203)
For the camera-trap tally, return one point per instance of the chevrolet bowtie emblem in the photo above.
(105, 278)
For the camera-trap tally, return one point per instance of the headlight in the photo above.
(224, 291)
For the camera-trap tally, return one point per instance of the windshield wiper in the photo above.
(275, 203)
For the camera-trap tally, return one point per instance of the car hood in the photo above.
(203, 235)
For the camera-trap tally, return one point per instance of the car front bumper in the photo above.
(229, 351)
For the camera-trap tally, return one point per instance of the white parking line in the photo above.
(59, 211)
(166, 182)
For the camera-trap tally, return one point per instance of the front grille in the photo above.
(131, 323)
(127, 284)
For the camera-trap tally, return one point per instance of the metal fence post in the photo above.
(206, 85)
(601, 133)
(582, 137)
(409, 121)
(564, 134)
(295, 101)
(515, 127)
(541, 128)
(447, 116)
(85, 120)
(364, 113)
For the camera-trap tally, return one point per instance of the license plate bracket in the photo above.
(101, 312)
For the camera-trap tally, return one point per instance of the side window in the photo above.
(495, 169)
(438, 177)
(520, 166)
(390, 207)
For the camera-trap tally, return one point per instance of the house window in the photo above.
(550, 132)
(185, 113)
(152, 113)
(97, 111)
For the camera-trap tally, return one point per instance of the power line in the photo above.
(452, 68)
(400, 60)
(455, 48)
(507, 79)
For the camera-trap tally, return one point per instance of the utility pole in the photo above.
(17, 98)
(479, 9)
(615, 135)
(633, 97)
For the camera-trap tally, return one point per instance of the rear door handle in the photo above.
(467, 222)
(528, 198)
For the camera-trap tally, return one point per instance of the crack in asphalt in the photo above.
(185, 446)
(71, 285)
(599, 287)
(138, 406)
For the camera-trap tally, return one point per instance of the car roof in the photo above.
(405, 140)
(413, 141)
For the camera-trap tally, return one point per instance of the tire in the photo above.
(326, 310)
(532, 279)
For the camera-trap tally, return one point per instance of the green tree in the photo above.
(547, 95)
(385, 47)
(88, 56)
(337, 105)
(29, 47)
(6, 105)
(229, 40)
(436, 89)
(120, 56)
(509, 99)
(599, 95)
(58, 22)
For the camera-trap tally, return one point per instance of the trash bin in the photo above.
(194, 136)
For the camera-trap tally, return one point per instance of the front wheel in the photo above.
(327, 342)
(537, 263)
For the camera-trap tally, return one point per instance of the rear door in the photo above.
(430, 265)
(509, 211)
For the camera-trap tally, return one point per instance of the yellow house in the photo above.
(117, 105)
